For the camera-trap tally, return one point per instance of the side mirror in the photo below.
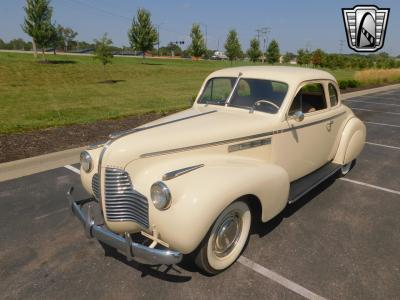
(298, 116)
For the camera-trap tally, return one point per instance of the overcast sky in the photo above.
(294, 24)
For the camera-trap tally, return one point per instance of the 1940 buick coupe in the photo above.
(255, 140)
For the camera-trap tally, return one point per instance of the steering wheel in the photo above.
(263, 101)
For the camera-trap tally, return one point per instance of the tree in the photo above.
(254, 51)
(142, 34)
(173, 49)
(66, 36)
(38, 24)
(103, 51)
(57, 40)
(198, 47)
(273, 52)
(233, 49)
(317, 57)
(303, 57)
(288, 57)
(16, 44)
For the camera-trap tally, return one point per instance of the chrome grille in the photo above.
(96, 186)
(122, 202)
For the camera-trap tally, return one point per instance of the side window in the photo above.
(333, 96)
(310, 98)
(217, 91)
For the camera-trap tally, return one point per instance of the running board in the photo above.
(302, 186)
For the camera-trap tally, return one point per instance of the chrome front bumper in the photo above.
(125, 245)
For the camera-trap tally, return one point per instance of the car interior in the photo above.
(310, 98)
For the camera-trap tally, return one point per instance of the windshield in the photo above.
(260, 94)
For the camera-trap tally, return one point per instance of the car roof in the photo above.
(290, 75)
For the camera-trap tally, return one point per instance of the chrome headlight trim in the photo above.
(160, 195)
(86, 161)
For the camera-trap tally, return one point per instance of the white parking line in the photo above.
(298, 289)
(383, 112)
(73, 169)
(377, 97)
(51, 213)
(381, 145)
(395, 92)
(373, 102)
(371, 186)
(382, 124)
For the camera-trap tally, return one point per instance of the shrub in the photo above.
(343, 84)
(353, 83)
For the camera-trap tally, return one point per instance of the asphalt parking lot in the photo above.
(341, 241)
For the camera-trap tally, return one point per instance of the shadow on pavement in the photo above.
(262, 229)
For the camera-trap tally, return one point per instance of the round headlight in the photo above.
(160, 195)
(86, 161)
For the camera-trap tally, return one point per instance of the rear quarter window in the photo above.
(333, 95)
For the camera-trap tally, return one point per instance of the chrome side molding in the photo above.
(248, 145)
(179, 172)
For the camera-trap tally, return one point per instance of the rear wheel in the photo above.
(346, 168)
(226, 239)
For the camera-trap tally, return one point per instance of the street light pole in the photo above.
(158, 40)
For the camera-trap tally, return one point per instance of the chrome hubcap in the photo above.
(346, 168)
(227, 234)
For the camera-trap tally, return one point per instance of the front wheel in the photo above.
(226, 239)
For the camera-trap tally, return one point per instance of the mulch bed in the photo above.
(32, 143)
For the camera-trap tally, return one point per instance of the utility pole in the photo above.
(263, 33)
(308, 45)
(258, 35)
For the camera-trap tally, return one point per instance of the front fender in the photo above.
(200, 196)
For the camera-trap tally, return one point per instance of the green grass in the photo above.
(34, 95)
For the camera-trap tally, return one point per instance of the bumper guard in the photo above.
(125, 245)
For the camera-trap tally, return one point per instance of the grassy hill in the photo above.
(34, 95)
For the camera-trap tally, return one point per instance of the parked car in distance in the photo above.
(219, 55)
(255, 140)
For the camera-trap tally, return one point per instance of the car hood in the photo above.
(184, 131)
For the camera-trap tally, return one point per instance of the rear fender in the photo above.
(352, 141)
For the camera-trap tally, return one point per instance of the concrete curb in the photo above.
(370, 91)
(23, 167)
(18, 168)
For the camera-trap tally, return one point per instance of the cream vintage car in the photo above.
(255, 140)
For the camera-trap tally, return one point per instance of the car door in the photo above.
(305, 145)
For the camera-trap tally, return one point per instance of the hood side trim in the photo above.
(124, 133)
(164, 152)
(179, 172)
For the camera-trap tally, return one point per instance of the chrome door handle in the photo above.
(329, 125)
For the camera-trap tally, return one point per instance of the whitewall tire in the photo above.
(347, 168)
(226, 239)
